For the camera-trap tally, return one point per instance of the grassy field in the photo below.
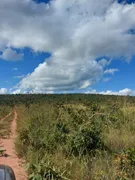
(76, 139)
(4, 110)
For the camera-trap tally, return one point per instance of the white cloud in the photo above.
(15, 69)
(50, 92)
(127, 91)
(11, 55)
(3, 91)
(17, 91)
(3, 43)
(75, 32)
(71, 76)
(123, 92)
(111, 71)
(106, 79)
(103, 62)
(19, 77)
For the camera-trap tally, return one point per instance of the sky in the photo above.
(74, 46)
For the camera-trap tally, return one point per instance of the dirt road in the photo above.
(12, 159)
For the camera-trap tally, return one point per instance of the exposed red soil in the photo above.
(12, 159)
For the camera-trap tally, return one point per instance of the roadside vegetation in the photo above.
(4, 110)
(77, 137)
(6, 117)
(73, 137)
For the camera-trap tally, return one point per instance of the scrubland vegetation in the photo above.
(76, 137)
(5, 124)
(4, 110)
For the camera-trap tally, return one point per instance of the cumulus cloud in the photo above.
(123, 92)
(3, 91)
(17, 91)
(62, 77)
(20, 91)
(75, 32)
(3, 43)
(11, 55)
(103, 62)
(111, 71)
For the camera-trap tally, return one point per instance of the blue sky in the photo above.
(123, 78)
(67, 47)
(10, 71)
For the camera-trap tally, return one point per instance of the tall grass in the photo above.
(5, 124)
(77, 141)
(4, 110)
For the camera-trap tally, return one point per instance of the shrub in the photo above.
(86, 140)
(45, 171)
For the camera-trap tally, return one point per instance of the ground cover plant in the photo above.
(6, 116)
(74, 137)
(4, 110)
(77, 137)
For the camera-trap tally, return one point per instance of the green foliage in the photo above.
(126, 164)
(131, 156)
(86, 140)
(86, 99)
(95, 108)
(5, 126)
(44, 171)
(4, 110)
(60, 135)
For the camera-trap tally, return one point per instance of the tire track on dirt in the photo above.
(2, 119)
(12, 159)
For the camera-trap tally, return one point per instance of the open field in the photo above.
(76, 137)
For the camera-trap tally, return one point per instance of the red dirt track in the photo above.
(12, 159)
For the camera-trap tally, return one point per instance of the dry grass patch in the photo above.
(5, 127)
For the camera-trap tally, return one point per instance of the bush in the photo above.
(126, 164)
(44, 171)
(86, 140)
